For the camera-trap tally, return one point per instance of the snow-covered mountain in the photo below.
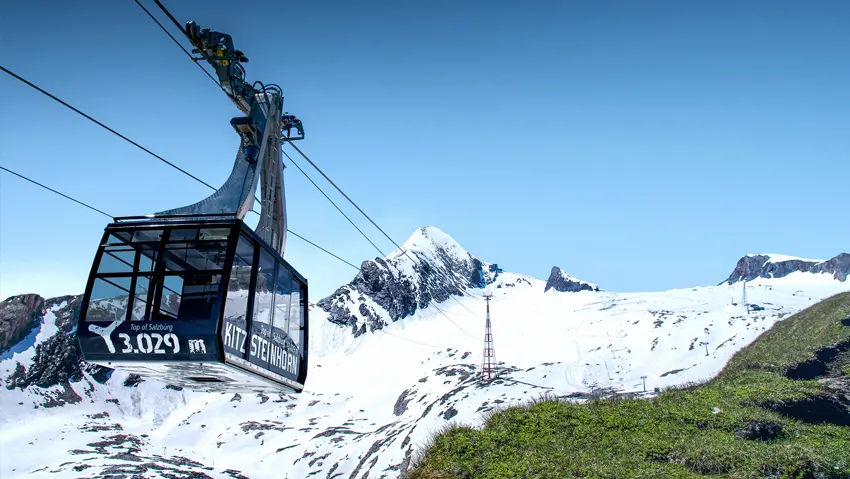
(559, 280)
(394, 355)
(778, 266)
(429, 267)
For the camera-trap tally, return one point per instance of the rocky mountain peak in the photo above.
(19, 315)
(754, 266)
(56, 359)
(430, 239)
(559, 280)
(430, 267)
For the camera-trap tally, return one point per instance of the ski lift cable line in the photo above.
(57, 192)
(64, 103)
(119, 135)
(367, 238)
(194, 60)
(320, 248)
(403, 251)
(411, 340)
(113, 217)
(333, 203)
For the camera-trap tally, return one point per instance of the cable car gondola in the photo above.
(193, 296)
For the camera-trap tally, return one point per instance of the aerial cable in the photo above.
(363, 213)
(174, 20)
(373, 244)
(382, 231)
(194, 60)
(112, 217)
(119, 135)
(333, 203)
(411, 340)
(143, 149)
(344, 195)
(57, 192)
(319, 247)
(355, 205)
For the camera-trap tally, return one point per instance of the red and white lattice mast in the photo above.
(488, 359)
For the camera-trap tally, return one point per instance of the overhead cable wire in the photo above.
(343, 194)
(323, 249)
(194, 60)
(57, 192)
(403, 251)
(332, 202)
(303, 155)
(66, 104)
(119, 135)
(411, 340)
(170, 16)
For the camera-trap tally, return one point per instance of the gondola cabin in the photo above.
(198, 302)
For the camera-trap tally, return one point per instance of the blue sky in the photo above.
(638, 146)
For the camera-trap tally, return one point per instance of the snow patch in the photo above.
(779, 258)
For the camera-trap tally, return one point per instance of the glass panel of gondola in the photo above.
(109, 299)
(260, 347)
(286, 307)
(155, 294)
(188, 289)
(234, 329)
(298, 326)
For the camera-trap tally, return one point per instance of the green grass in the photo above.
(797, 338)
(676, 435)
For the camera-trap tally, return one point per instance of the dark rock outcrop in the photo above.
(839, 266)
(561, 281)
(753, 430)
(432, 269)
(57, 360)
(19, 315)
(832, 405)
(68, 315)
(759, 266)
(826, 361)
(825, 409)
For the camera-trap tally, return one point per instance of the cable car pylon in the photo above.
(488, 359)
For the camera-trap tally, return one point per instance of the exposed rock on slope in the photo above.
(19, 315)
(839, 266)
(57, 359)
(430, 267)
(561, 281)
(777, 266)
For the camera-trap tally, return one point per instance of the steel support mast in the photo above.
(488, 358)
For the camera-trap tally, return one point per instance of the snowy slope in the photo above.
(754, 266)
(372, 399)
(781, 258)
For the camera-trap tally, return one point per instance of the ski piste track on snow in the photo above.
(372, 399)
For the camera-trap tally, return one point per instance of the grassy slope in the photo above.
(680, 433)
